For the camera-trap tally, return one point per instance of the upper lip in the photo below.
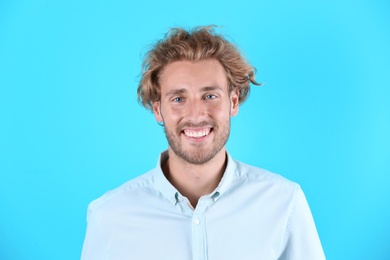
(196, 128)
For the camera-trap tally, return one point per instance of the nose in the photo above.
(196, 111)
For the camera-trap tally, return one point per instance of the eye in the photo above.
(210, 96)
(178, 99)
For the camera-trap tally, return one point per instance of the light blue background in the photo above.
(71, 127)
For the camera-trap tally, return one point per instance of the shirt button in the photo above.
(196, 221)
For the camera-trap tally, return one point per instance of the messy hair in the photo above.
(194, 45)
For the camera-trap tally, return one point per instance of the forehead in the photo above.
(193, 75)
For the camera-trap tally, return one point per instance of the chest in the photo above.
(228, 229)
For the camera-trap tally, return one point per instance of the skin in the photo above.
(196, 107)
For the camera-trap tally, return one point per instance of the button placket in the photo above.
(199, 240)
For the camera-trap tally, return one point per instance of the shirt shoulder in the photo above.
(251, 174)
(131, 189)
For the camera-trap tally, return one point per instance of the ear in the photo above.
(157, 111)
(234, 102)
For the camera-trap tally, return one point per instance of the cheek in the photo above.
(172, 115)
(221, 112)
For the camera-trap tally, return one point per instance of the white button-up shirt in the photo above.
(252, 214)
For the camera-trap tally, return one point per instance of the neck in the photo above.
(194, 181)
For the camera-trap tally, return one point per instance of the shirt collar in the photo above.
(172, 194)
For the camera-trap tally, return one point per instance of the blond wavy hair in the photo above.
(200, 43)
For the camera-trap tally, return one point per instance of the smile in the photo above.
(197, 133)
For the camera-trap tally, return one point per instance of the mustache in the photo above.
(190, 124)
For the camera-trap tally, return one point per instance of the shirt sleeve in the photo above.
(301, 240)
(94, 246)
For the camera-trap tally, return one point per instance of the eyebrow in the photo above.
(183, 90)
(174, 92)
(211, 88)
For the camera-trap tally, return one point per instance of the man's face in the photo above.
(195, 107)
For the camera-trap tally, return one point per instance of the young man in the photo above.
(199, 203)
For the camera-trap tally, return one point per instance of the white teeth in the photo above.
(197, 134)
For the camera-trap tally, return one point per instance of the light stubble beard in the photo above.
(201, 154)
